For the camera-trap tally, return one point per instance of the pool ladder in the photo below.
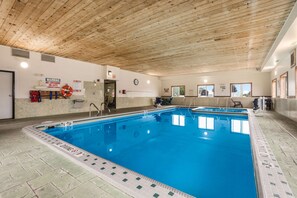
(99, 111)
(105, 106)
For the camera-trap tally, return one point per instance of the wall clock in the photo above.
(136, 81)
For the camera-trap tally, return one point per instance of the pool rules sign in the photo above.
(77, 85)
(53, 82)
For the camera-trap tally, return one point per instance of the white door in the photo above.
(6, 92)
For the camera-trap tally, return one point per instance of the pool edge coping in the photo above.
(270, 179)
(78, 156)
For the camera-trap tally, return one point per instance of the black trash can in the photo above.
(256, 105)
(268, 103)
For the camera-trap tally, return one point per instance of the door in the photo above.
(110, 94)
(6, 95)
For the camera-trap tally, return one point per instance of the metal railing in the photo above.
(105, 106)
(99, 111)
(90, 109)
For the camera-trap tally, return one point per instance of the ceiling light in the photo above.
(24, 65)
(148, 81)
(205, 81)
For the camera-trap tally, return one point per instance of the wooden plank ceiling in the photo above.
(157, 37)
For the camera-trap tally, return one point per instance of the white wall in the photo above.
(261, 85)
(143, 89)
(285, 106)
(283, 67)
(65, 69)
(68, 70)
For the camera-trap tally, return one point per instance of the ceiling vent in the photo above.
(20, 53)
(48, 58)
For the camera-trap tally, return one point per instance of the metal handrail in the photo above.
(90, 112)
(105, 105)
(101, 107)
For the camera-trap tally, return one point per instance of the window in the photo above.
(284, 85)
(241, 90)
(296, 82)
(273, 89)
(205, 90)
(178, 91)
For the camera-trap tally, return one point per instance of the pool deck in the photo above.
(31, 169)
(281, 134)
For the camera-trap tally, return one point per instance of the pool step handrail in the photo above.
(90, 110)
(105, 105)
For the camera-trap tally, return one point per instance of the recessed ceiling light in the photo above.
(205, 81)
(24, 65)
(148, 81)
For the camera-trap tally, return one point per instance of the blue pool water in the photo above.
(206, 156)
(220, 110)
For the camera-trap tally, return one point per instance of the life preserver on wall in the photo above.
(66, 91)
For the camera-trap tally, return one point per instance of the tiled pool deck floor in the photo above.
(281, 134)
(30, 169)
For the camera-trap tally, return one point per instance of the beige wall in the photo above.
(68, 70)
(247, 102)
(260, 87)
(285, 106)
(143, 89)
(93, 94)
(260, 82)
(283, 67)
(137, 95)
(126, 102)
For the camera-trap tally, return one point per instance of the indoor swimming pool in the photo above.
(203, 155)
(220, 110)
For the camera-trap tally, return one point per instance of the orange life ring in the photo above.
(66, 91)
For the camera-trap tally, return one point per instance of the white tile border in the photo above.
(130, 182)
(271, 181)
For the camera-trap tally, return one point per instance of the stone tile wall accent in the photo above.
(247, 102)
(127, 102)
(286, 107)
(93, 94)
